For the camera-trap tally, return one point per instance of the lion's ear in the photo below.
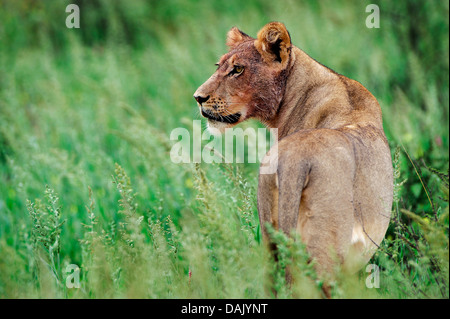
(236, 37)
(274, 43)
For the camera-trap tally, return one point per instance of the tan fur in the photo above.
(274, 34)
(333, 182)
(235, 37)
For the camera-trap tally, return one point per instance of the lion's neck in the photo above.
(313, 98)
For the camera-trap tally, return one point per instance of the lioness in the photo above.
(333, 183)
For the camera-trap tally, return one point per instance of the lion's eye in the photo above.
(238, 69)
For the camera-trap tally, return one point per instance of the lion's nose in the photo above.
(200, 99)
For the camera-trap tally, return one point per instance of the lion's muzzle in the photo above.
(230, 119)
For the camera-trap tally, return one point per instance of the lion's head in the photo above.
(250, 79)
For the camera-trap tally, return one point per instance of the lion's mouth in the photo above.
(230, 119)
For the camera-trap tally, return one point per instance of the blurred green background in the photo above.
(73, 102)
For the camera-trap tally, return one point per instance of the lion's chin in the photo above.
(218, 128)
(218, 125)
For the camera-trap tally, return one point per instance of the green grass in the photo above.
(85, 172)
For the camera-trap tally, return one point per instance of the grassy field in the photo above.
(85, 173)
